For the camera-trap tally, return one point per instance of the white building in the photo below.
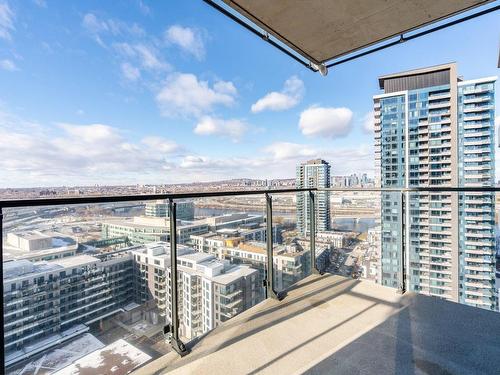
(211, 291)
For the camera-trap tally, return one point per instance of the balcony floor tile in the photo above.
(334, 325)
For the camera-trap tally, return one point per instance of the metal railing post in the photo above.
(402, 244)
(269, 280)
(176, 343)
(312, 232)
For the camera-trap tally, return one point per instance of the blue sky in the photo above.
(163, 92)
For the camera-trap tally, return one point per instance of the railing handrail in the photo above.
(61, 201)
(37, 202)
(433, 189)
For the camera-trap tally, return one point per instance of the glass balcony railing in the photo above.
(152, 274)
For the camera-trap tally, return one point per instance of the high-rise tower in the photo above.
(313, 174)
(432, 129)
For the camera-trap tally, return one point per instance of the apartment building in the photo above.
(232, 237)
(313, 174)
(184, 209)
(434, 129)
(338, 240)
(46, 303)
(211, 291)
(144, 229)
(37, 246)
(234, 220)
(292, 263)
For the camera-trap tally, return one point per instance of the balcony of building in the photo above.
(323, 323)
(334, 325)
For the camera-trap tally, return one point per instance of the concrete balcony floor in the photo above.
(334, 325)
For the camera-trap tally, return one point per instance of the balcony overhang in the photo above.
(334, 325)
(321, 31)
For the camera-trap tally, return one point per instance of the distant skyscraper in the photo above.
(449, 237)
(313, 174)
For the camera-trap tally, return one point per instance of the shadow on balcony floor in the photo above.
(333, 325)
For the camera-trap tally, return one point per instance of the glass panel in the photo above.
(291, 247)
(82, 281)
(353, 245)
(223, 269)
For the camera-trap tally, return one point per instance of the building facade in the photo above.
(313, 174)
(291, 263)
(46, 303)
(146, 229)
(211, 291)
(184, 209)
(432, 129)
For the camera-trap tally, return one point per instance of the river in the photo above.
(346, 224)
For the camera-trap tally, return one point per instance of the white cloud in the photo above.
(190, 40)
(185, 95)
(96, 25)
(233, 129)
(93, 24)
(368, 122)
(161, 144)
(225, 87)
(6, 21)
(130, 72)
(67, 154)
(149, 58)
(93, 133)
(98, 28)
(140, 55)
(289, 97)
(8, 65)
(204, 168)
(192, 161)
(277, 160)
(326, 121)
(287, 150)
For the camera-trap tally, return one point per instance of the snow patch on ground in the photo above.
(62, 356)
(117, 358)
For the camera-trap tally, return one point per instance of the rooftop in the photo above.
(330, 324)
(233, 273)
(23, 267)
(30, 235)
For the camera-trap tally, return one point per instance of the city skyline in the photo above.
(148, 99)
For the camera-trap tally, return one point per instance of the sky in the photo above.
(160, 92)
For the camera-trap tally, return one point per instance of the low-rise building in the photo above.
(49, 302)
(37, 246)
(142, 229)
(234, 220)
(338, 240)
(232, 237)
(29, 241)
(292, 263)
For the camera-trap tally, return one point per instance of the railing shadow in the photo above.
(280, 312)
